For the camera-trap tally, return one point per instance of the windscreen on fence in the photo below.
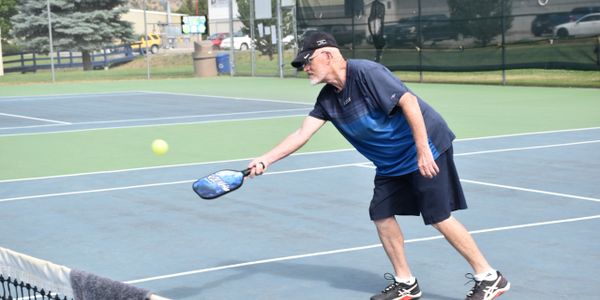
(460, 35)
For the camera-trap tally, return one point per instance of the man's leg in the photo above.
(392, 240)
(458, 236)
(489, 283)
(403, 286)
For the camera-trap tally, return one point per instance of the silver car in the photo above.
(586, 26)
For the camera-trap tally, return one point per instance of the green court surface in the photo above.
(471, 111)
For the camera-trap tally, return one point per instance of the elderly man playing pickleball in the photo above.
(411, 146)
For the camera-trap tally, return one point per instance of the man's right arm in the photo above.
(289, 145)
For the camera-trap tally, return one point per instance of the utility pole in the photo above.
(51, 45)
(146, 39)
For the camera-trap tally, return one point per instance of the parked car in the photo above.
(433, 28)
(241, 41)
(587, 25)
(217, 38)
(152, 40)
(343, 35)
(578, 12)
(287, 39)
(545, 23)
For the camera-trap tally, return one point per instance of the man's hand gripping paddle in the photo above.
(220, 183)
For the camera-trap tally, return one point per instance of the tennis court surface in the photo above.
(302, 230)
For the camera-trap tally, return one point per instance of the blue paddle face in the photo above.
(218, 184)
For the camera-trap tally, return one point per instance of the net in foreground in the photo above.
(26, 277)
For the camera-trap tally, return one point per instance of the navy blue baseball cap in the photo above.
(311, 43)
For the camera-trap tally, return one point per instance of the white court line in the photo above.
(151, 119)
(153, 125)
(74, 96)
(94, 191)
(359, 164)
(353, 249)
(245, 159)
(162, 167)
(527, 148)
(33, 126)
(33, 118)
(193, 116)
(516, 188)
(155, 184)
(233, 98)
(126, 93)
(65, 96)
(525, 134)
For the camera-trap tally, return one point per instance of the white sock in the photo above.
(407, 280)
(488, 275)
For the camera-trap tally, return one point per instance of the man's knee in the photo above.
(442, 224)
(385, 222)
(387, 226)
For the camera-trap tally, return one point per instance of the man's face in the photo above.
(316, 67)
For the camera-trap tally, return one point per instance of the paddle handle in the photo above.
(247, 171)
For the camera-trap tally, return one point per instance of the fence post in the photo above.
(34, 63)
(22, 63)
(598, 51)
(503, 3)
(105, 59)
(420, 43)
(1, 65)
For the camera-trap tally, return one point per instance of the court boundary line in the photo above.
(88, 95)
(151, 125)
(157, 184)
(164, 166)
(354, 249)
(246, 159)
(63, 96)
(528, 133)
(139, 92)
(516, 188)
(233, 98)
(358, 164)
(144, 120)
(510, 187)
(34, 118)
(527, 148)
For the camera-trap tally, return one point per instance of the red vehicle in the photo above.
(216, 39)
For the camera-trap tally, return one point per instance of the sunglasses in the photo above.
(310, 59)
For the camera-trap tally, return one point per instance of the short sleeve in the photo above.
(318, 112)
(385, 87)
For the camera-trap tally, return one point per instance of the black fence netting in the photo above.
(460, 35)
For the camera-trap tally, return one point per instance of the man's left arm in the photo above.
(411, 110)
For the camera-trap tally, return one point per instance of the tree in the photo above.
(188, 7)
(481, 19)
(8, 8)
(83, 25)
(265, 44)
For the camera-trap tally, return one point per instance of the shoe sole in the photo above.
(409, 297)
(501, 291)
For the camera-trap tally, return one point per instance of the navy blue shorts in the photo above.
(413, 194)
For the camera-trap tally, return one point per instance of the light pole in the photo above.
(51, 45)
(146, 39)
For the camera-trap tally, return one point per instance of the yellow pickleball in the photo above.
(160, 147)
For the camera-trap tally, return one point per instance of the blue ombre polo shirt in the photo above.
(366, 113)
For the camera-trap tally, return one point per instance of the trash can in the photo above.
(204, 59)
(223, 64)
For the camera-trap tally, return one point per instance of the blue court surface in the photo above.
(302, 230)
